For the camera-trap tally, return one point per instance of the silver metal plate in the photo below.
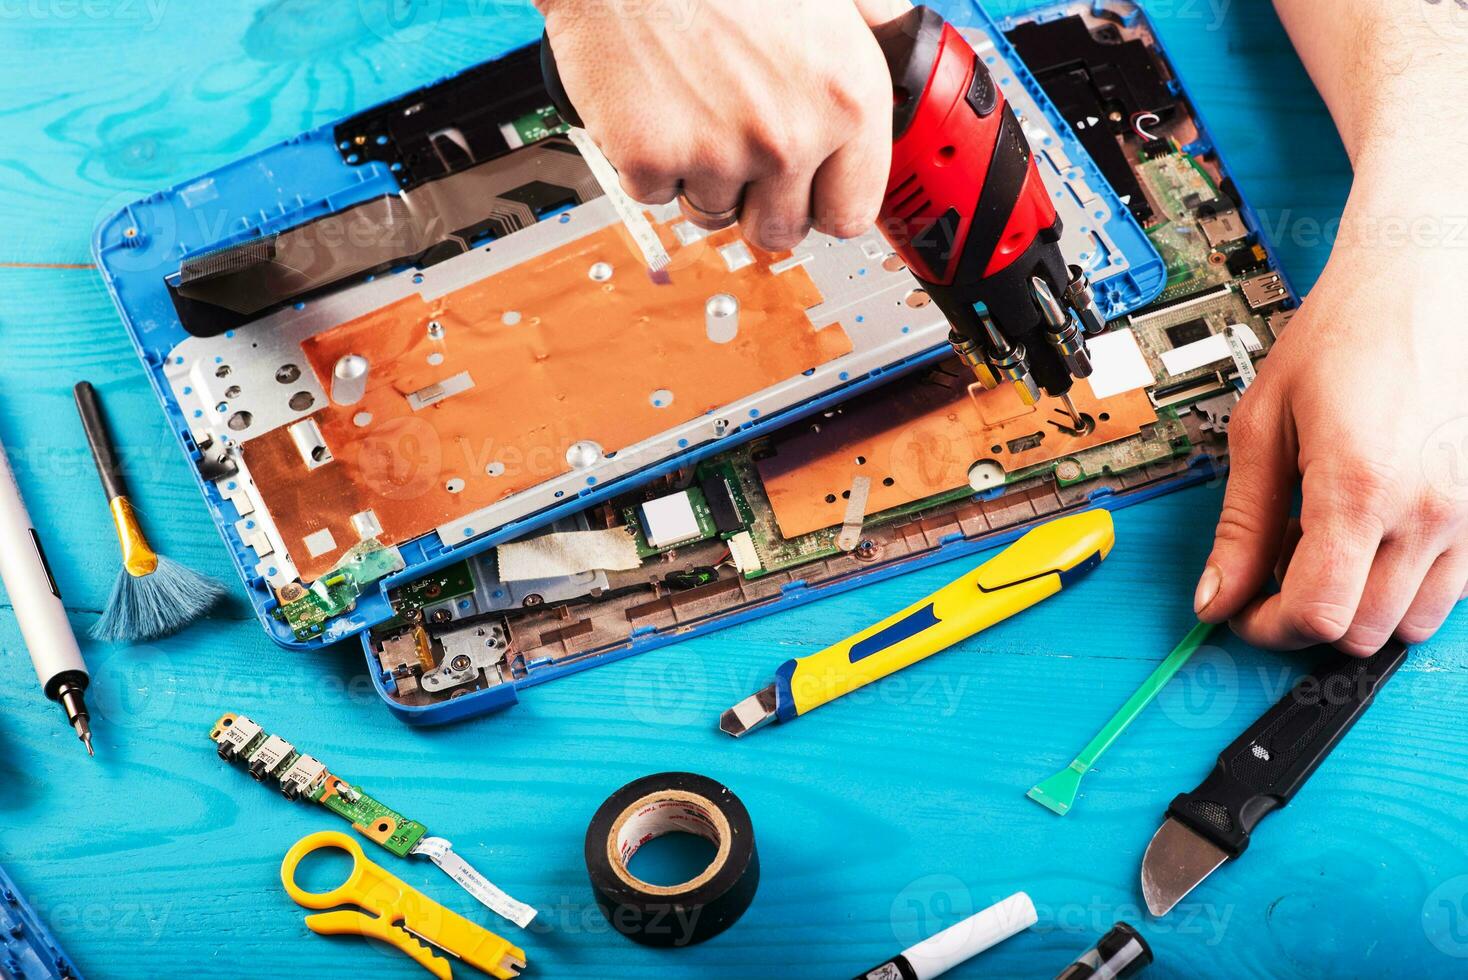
(253, 380)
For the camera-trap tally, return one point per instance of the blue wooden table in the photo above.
(879, 820)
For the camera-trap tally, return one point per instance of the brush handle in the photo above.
(99, 440)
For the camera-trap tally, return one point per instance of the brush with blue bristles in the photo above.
(152, 596)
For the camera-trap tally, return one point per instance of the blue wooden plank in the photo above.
(880, 818)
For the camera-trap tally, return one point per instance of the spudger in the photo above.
(1058, 793)
(38, 608)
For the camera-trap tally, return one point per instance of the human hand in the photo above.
(1363, 404)
(779, 108)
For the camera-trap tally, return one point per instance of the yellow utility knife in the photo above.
(1038, 565)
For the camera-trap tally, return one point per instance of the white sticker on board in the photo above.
(1117, 364)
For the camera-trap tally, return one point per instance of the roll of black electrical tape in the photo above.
(672, 915)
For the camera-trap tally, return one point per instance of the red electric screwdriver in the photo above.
(966, 209)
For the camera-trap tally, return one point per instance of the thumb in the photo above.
(877, 12)
(1256, 507)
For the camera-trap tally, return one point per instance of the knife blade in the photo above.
(1260, 772)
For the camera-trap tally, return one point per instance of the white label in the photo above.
(1239, 351)
(1209, 350)
(1117, 364)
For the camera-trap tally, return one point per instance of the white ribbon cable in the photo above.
(494, 898)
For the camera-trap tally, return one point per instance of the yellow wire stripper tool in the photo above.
(395, 913)
(1038, 565)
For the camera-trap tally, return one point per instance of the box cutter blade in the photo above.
(1035, 567)
(396, 914)
(1259, 773)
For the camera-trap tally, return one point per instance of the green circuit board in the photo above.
(448, 583)
(535, 126)
(307, 609)
(706, 527)
(302, 777)
(1179, 186)
(371, 818)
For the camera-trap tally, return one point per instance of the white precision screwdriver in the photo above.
(37, 603)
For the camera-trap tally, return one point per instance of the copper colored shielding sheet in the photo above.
(483, 392)
(915, 441)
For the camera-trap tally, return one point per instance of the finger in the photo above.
(648, 178)
(776, 213)
(881, 11)
(1287, 549)
(848, 189)
(1396, 578)
(711, 192)
(1444, 587)
(1256, 505)
(1327, 576)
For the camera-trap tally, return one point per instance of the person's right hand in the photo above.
(782, 108)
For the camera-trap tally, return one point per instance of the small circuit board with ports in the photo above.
(270, 758)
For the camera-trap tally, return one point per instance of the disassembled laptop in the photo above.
(435, 399)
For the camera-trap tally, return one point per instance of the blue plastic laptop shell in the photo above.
(303, 178)
(28, 951)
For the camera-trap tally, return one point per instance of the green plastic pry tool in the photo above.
(1058, 793)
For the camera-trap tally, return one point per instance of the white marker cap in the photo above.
(963, 941)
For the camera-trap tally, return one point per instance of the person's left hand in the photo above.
(1363, 404)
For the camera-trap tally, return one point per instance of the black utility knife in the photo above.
(1259, 773)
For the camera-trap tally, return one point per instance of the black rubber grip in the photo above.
(910, 43)
(104, 453)
(1264, 767)
(550, 73)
